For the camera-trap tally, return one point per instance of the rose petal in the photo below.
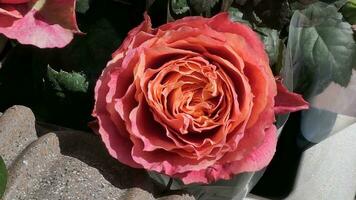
(287, 101)
(259, 157)
(14, 11)
(61, 12)
(145, 27)
(30, 30)
(166, 162)
(256, 160)
(190, 21)
(118, 146)
(10, 13)
(152, 134)
(48, 24)
(253, 136)
(14, 1)
(222, 23)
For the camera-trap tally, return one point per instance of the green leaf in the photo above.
(270, 38)
(82, 6)
(64, 81)
(274, 14)
(3, 177)
(303, 4)
(237, 16)
(179, 6)
(349, 11)
(202, 7)
(339, 3)
(322, 48)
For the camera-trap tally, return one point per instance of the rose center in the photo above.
(191, 89)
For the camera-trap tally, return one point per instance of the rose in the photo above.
(43, 23)
(194, 99)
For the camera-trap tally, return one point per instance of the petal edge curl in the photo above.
(286, 101)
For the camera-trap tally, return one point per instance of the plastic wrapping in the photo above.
(329, 86)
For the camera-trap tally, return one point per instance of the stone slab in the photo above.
(17, 131)
(66, 165)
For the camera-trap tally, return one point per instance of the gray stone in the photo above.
(66, 165)
(71, 166)
(17, 131)
(176, 197)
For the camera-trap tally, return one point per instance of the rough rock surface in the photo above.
(65, 165)
(17, 131)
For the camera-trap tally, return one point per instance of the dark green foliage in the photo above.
(3, 177)
(25, 80)
(315, 37)
(349, 11)
(199, 7)
(82, 6)
(64, 81)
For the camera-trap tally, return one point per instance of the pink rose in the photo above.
(194, 99)
(43, 23)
